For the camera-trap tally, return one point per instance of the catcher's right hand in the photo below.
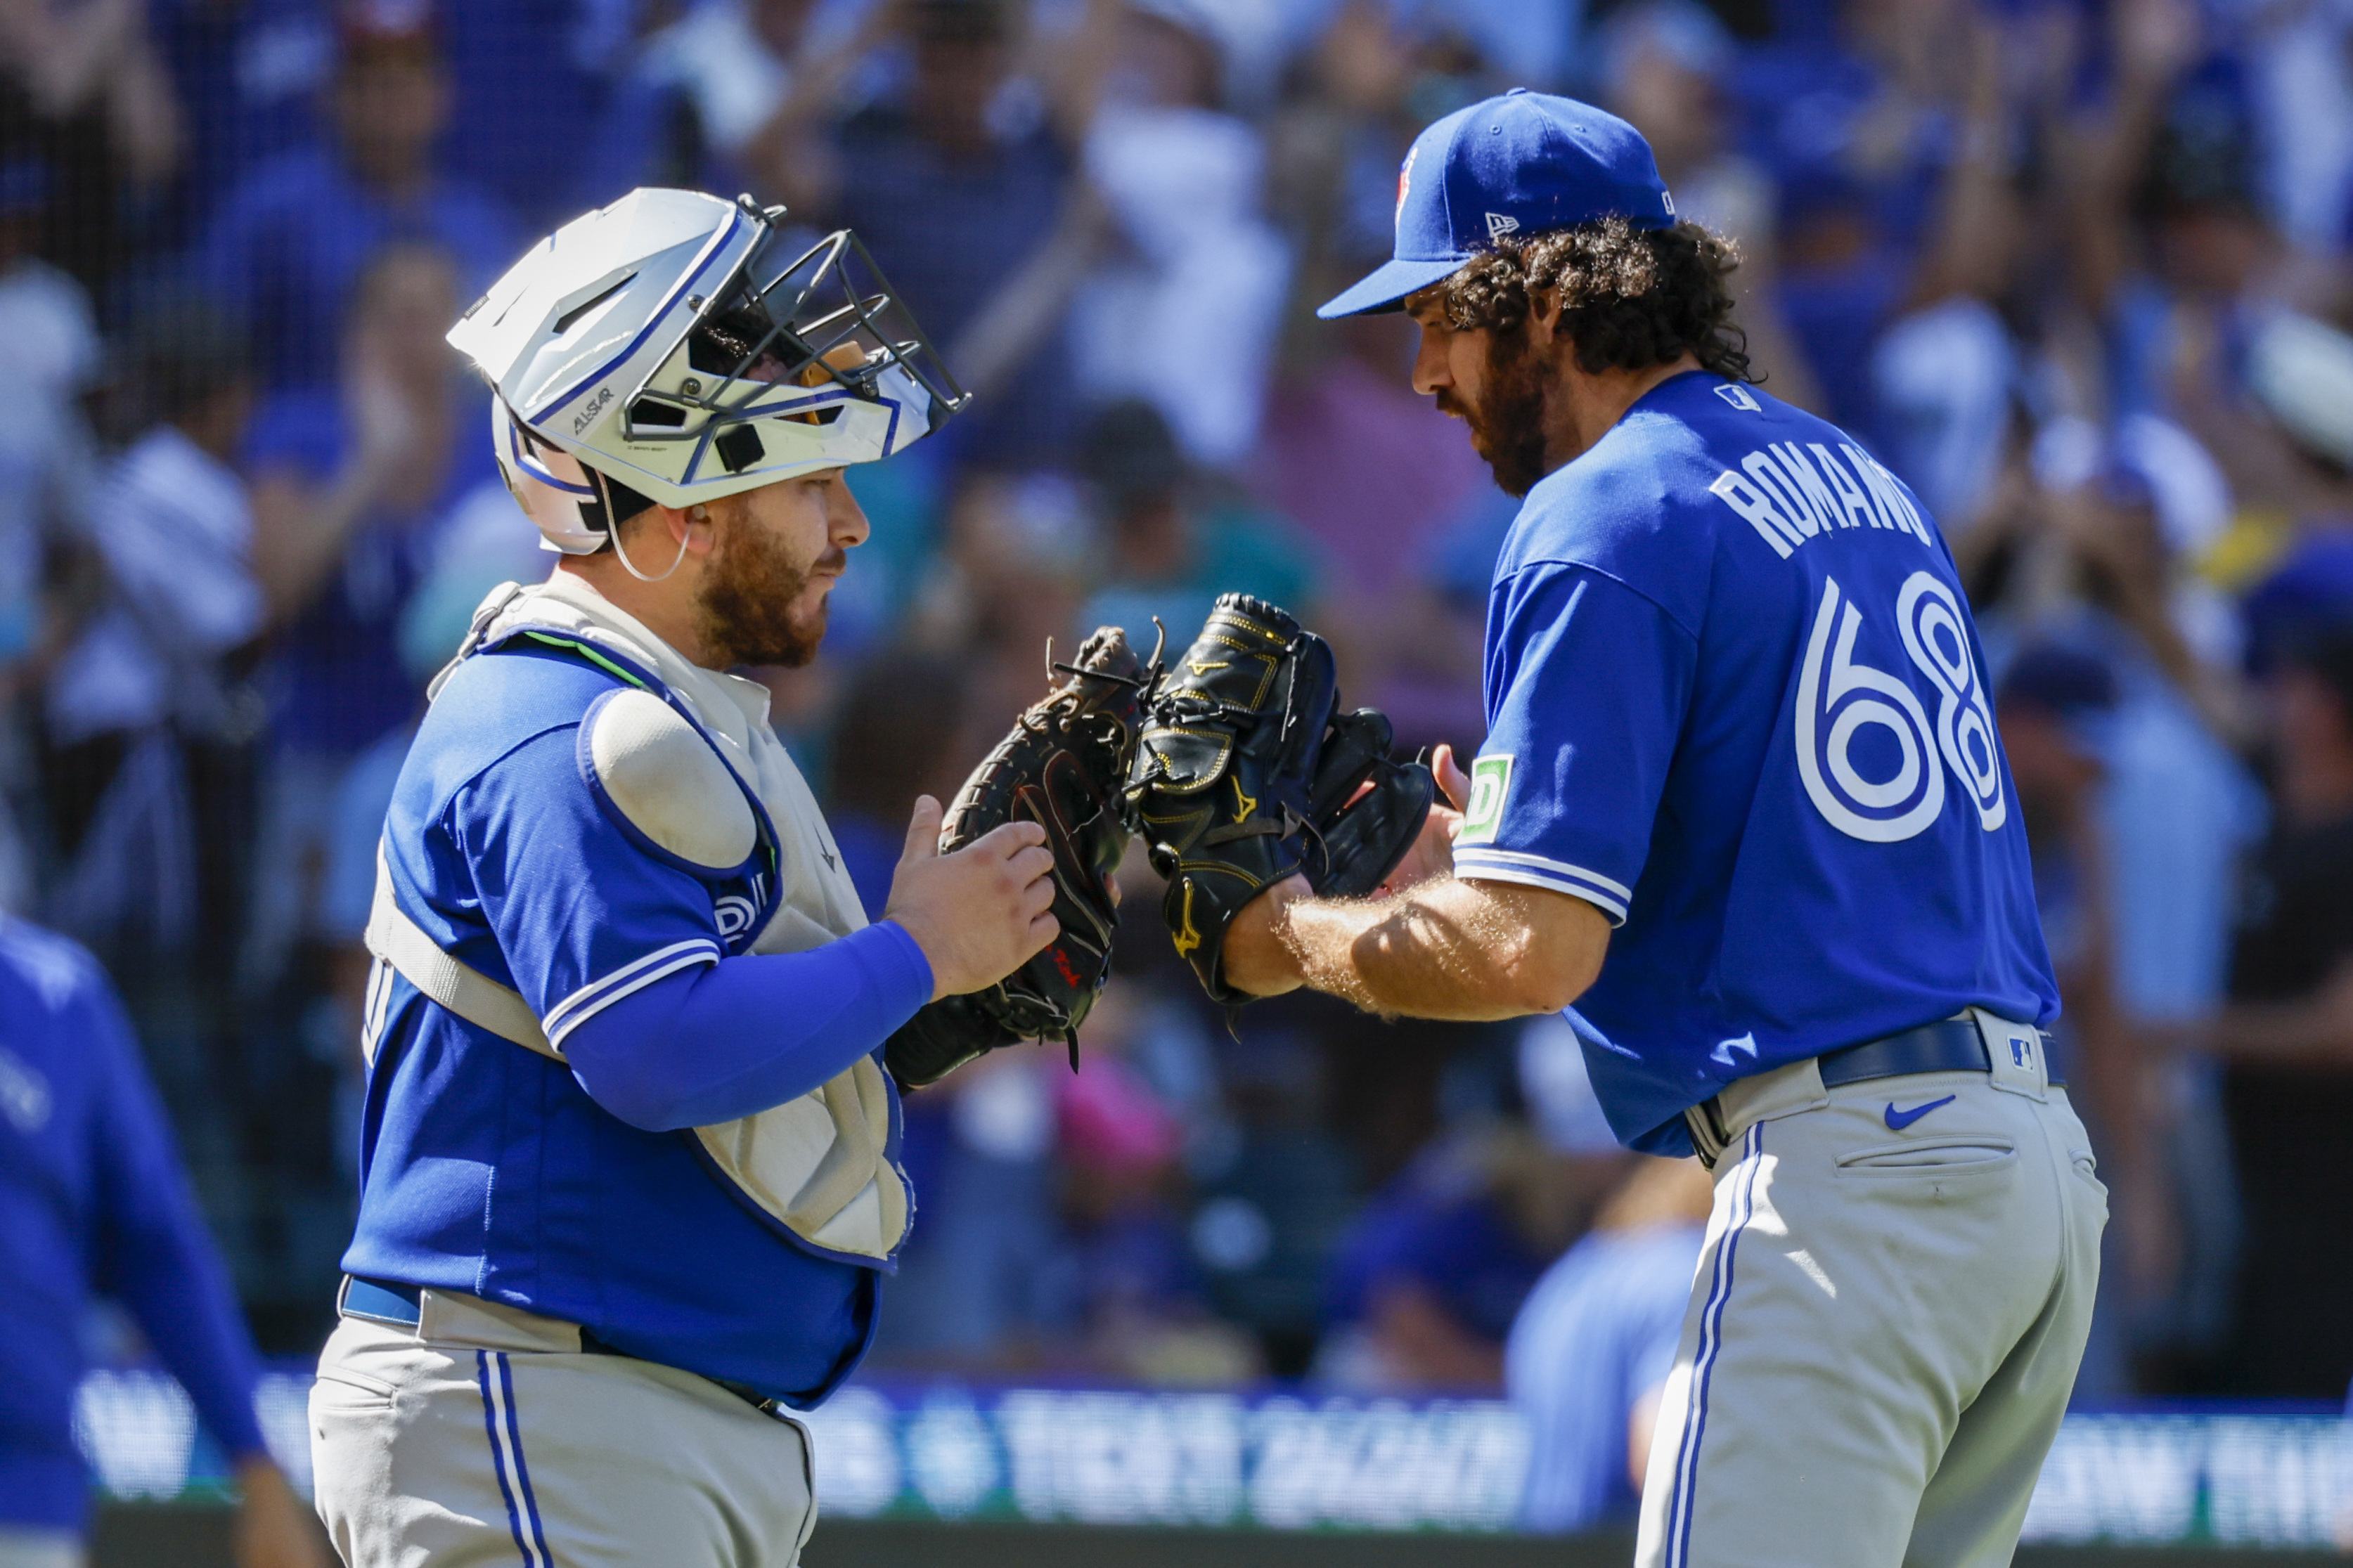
(1246, 775)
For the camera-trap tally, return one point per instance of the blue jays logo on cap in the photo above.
(1521, 163)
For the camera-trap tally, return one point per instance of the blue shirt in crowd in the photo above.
(1439, 1227)
(337, 681)
(292, 239)
(521, 96)
(948, 232)
(1735, 702)
(1597, 1334)
(253, 71)
(92, 1200)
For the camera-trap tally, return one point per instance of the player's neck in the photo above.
(1587, 405)
(665, 608)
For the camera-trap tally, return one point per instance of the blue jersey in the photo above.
(487, 1168)
(1736, 702)
(92, 1199)
(1597, 1334)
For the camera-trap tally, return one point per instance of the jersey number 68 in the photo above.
(1842, 701)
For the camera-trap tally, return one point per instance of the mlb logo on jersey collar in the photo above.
(1518, 165)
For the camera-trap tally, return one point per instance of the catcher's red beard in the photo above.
(757, 604)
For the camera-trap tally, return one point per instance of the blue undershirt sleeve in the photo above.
(728, 1040)
(152, 1250)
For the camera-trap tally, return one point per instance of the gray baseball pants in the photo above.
(484, 1435)
(1884, 1325)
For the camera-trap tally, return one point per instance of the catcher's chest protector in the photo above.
(716, 791)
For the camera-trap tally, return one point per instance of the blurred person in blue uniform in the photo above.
(1590, 1353)
(1423, 1287)
(92, 1201)
(291, 242)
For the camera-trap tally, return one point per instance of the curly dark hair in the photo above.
(1632, 298)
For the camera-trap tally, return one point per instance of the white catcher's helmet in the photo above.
(675, 348)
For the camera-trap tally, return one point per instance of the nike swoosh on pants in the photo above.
(1898, 1121)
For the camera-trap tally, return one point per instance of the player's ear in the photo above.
(1544, 316)
(696, 529)
(663, 532)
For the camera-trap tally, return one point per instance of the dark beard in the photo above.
(745, 613)
(1507, 424)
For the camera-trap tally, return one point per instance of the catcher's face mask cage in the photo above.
(809, 336)
(799, 358)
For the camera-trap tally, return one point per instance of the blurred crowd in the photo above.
(2077, 269)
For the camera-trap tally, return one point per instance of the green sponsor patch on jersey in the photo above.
(1491, 781)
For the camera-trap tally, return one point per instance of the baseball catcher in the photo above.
(1248, 775)
(632, 1153)
(1063, 766)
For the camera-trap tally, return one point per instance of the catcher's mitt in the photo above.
(1246, 775)
(1062, 767)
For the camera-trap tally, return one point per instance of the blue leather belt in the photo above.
(1950, 1045)
(379, 1303)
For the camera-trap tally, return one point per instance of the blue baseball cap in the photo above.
(1521, 163)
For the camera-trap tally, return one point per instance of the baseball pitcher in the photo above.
(1739, 747)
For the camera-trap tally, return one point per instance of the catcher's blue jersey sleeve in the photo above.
(583, 916)
(713, 1043)
(1564, 790)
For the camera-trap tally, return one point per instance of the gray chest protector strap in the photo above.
(474, 996)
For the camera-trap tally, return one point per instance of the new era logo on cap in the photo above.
(1518, 165)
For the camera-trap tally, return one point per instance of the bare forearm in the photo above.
(298, 535)
(1017, 317)
(1447, 949)
(2313, 1031)
(2113, 1069)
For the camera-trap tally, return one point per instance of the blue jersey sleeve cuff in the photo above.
(598, 994)
(1605, 893)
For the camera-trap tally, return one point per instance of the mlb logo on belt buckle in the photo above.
(2013, 1054)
